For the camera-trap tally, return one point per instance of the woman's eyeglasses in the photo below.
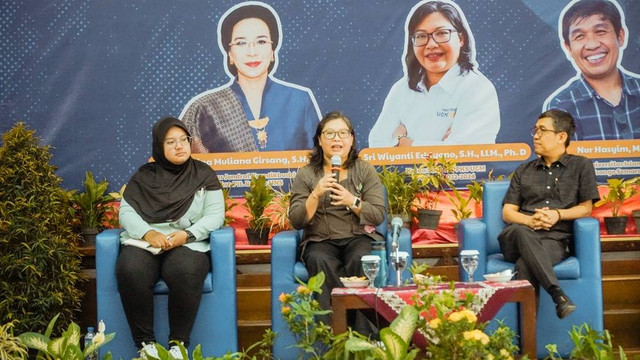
(330, 134)
(184, 141)
(258, 44)
(421, 38)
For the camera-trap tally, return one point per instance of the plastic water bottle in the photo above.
(379, 248)
(88, 338)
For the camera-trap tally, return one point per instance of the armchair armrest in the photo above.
(223, 260)
(586, 233)
(472, 235)
(284, 250)
(107, 250)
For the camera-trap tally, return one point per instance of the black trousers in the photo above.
(336, 258)
(534, 253)
(184, 271)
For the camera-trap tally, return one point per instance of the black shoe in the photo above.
(564, 307)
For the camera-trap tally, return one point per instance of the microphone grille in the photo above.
(396, 221)
(336, 160)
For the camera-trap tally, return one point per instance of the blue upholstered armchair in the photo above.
(216, 324)
(580, 275)
(286, 267)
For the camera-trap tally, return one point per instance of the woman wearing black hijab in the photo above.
(172, 204)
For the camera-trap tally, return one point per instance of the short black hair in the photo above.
(316, 157)
(585, 8)
(252, 11)
(562, 122)
(415, 71)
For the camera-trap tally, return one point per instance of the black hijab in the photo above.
(162, 191)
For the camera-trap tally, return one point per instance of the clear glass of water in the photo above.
(469, 262)
(370, 266)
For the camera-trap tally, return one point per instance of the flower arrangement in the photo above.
(451, 328)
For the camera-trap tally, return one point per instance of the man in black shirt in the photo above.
(544, 197)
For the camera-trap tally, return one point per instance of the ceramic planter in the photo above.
(89, 236)
(257, 238)
(428, 219)
(615, 225)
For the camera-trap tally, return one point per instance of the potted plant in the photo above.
(258, 197)
(619, 191)
(433, 178)
(39, 262)
(90, 207)
(402, 189)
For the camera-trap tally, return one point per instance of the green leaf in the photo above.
(396, 348)
(405, 324)
(35, 341)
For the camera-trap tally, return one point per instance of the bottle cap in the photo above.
(90, 329)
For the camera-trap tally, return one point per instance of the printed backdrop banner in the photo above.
(92, 78)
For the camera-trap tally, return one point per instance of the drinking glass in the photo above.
(469, 261)
(370, 266)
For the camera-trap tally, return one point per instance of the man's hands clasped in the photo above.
(544, 219)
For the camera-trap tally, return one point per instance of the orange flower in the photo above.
(285, 310)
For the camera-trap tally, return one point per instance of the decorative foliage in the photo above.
(402, 189)
(475, 187)
(619, 191)
(277, 212)
(10, 346)
(230, 203)
(299, 310)
(66, 347)
(589, 344)
(39, 260)
(258, 197)
(433, 176)
(91, 205)
(460, 211)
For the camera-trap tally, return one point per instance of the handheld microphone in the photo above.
(336, 161)
(396, 225)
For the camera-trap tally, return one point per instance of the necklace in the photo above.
(261, 133)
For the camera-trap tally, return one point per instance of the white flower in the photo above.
(101, 327)
(98, 339)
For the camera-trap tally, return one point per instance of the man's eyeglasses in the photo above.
(421, 38)
(539, 131)
(259, 44)
(184, 141)
(330, 134)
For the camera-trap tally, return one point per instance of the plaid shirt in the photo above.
(596, 118)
